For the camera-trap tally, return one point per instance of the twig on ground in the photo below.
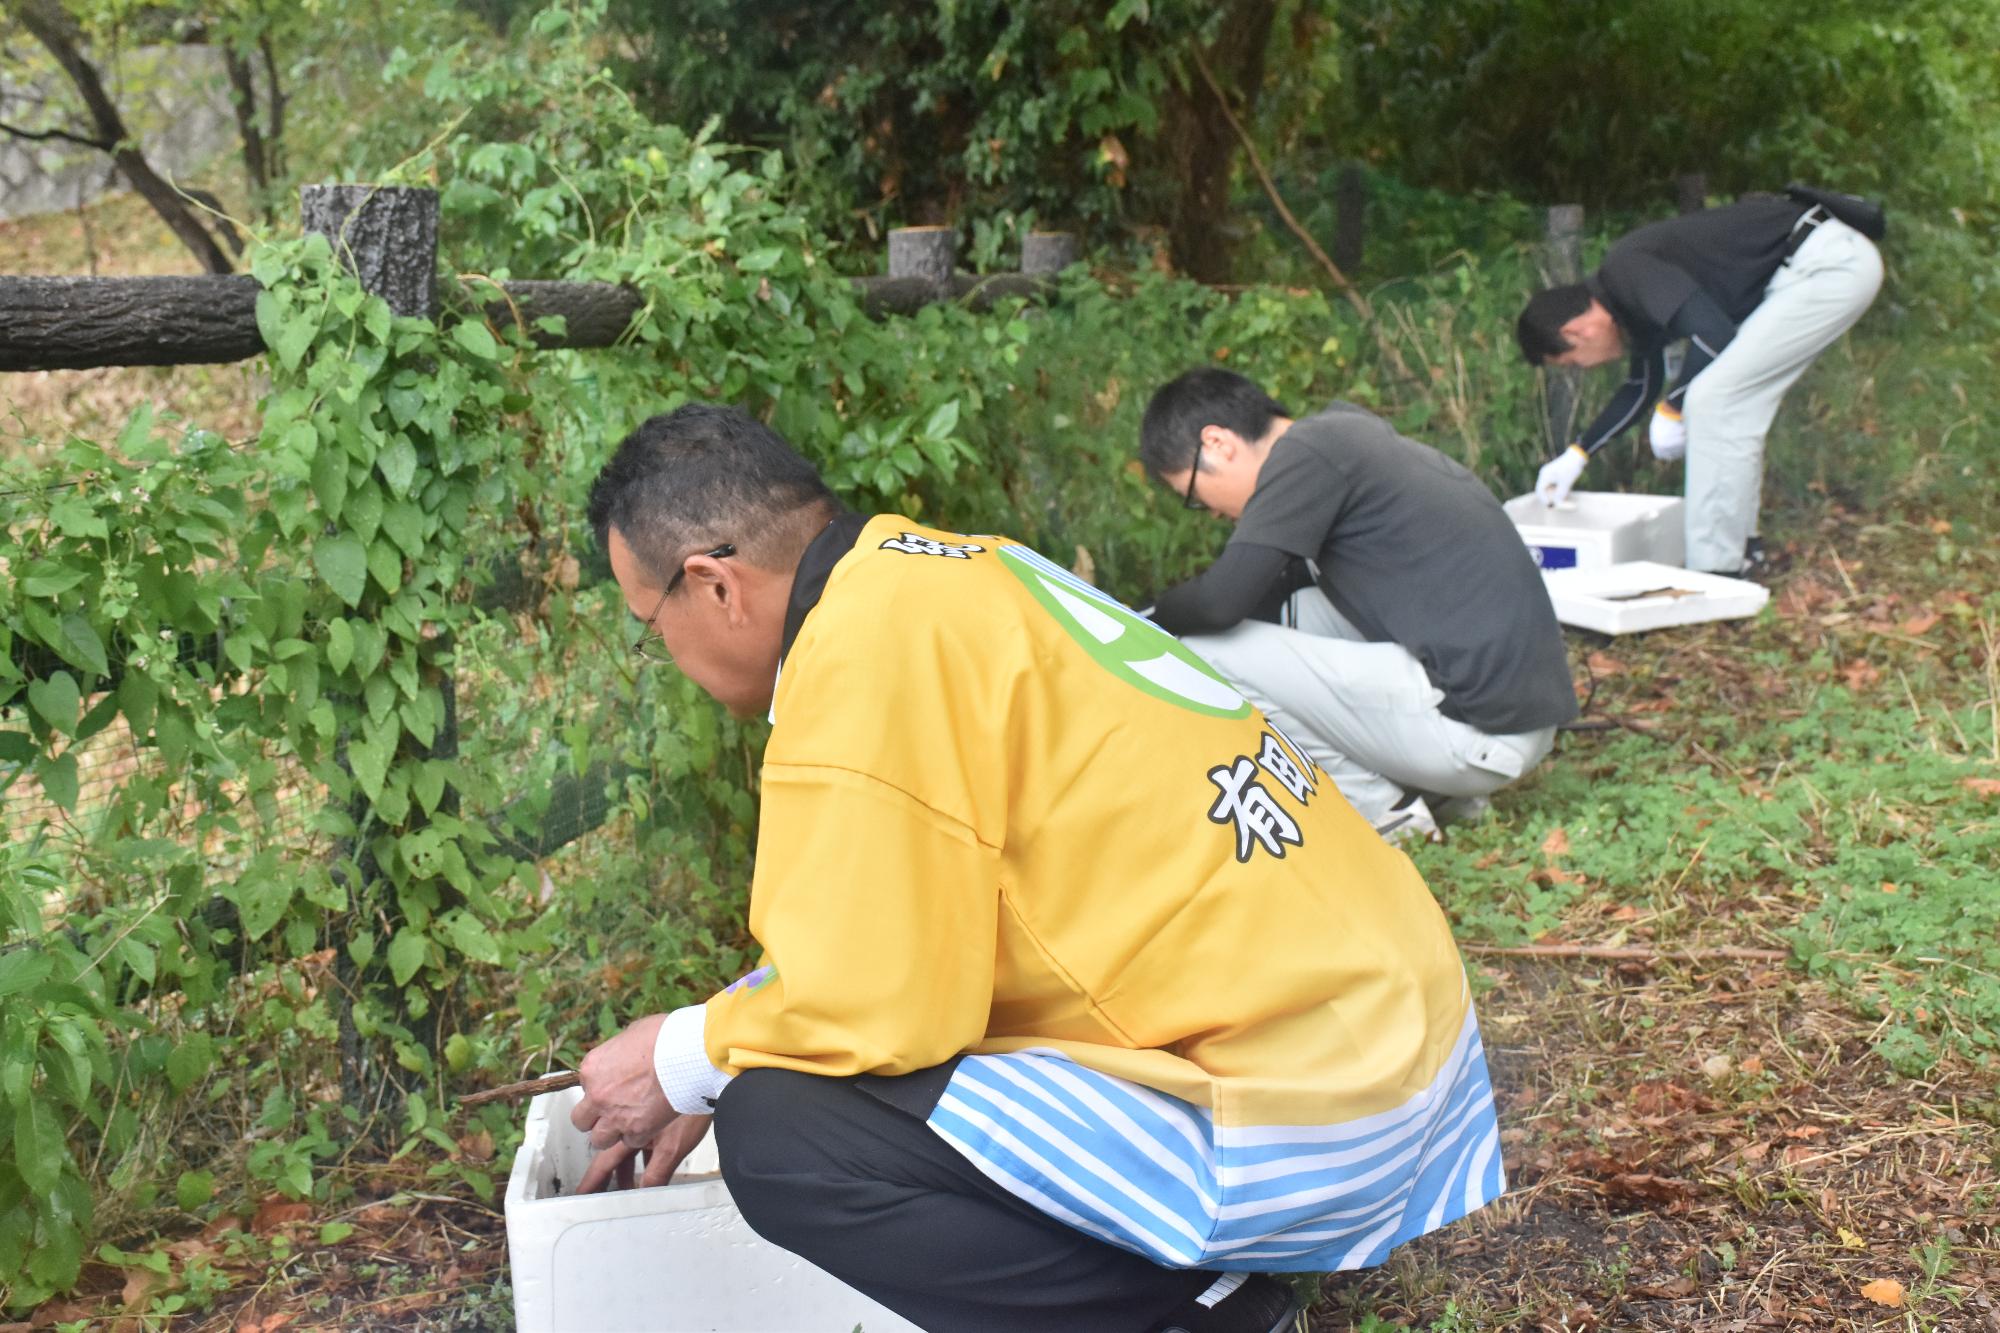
(520, 1092)
(1633, 953)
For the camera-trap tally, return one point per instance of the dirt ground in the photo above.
(1743, 1163)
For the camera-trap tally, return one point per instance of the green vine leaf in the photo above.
(56, 699)
(343, 562)
(370, 764)
(406, 955)
(339, 644)
(476, 339)
(39, 1150)
(86, 649)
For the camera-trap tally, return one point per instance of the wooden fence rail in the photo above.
(80, 323)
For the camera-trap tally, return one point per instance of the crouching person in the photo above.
(1373, 600)
(1085, 1003)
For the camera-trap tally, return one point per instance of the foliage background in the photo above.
(162, 1065)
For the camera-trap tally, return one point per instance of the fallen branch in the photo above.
(1629, 953)
(520, 1092)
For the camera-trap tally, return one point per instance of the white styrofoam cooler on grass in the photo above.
(1593, 529)
(677, 1259)
(1643, 594)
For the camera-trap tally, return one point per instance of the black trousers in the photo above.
(845, 1173)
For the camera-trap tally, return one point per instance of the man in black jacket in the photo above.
(1758, 289)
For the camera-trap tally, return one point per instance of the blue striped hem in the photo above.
(1152, 1173)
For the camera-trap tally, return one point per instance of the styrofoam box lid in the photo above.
(1590, 511)
(1642, 595)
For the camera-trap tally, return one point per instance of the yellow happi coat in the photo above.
(1002, 813)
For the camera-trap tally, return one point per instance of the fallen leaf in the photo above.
(1981, 786)
(1626, 913)
(1884, 1291)
(275, 1212)
(1555, 844)
(1717, 1066)
(1680, 1287)
(141, 1283)
(1920, 624)
(477, 1146)
(1603, 664)
(1644, 1186)
(270, 1323)
(1850, 1240)
(1860, 675)
(1752, 1064)
(1887, 887)
(1756, 1152)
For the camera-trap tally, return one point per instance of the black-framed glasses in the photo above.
(650, 645)
(1188, 501)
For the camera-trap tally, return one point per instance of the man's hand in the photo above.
(1559, 474)
(622, 1099)
(615, 1166)
(1668, 433)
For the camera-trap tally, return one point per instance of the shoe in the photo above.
(1410, 820)
(1758, 564)
(1258, 1303)
(1461, 810)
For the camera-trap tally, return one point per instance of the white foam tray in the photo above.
(1644, 594)
(676, 1259)
(1597, 529)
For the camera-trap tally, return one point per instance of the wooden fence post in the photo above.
(1562, 261)
(926, 253)
(386, 234)
(1047, 253)
(1350, 207)
(388, 237)
(1691, 191)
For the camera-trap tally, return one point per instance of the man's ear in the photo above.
(1218, 441)
(711, 580)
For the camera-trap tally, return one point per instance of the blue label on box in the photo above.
(1555, 557)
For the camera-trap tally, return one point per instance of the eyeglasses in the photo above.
(650, 645)
(1188, 501)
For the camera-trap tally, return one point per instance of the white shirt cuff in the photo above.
(680, 1062)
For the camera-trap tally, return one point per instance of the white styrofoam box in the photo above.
(676, 1259)
(1593, 529)
(1643, 594)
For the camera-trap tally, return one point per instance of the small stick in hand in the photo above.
(520, 1092)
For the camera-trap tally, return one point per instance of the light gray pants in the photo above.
(1366, 712)
(1809, 302)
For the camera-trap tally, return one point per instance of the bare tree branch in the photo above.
(51, 25)
(42, 135)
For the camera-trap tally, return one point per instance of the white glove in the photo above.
(1559, 474)
(1668, 433)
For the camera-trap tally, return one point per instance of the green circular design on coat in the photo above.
(1130, 647)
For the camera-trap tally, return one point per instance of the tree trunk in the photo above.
(1204, 145)
(243, 97)
(47, 22)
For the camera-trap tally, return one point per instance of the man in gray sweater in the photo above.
(1373, 599)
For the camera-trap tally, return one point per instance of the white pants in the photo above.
(1813, 299)
(1366, 712)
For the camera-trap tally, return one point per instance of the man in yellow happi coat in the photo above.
(1086, 1000)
